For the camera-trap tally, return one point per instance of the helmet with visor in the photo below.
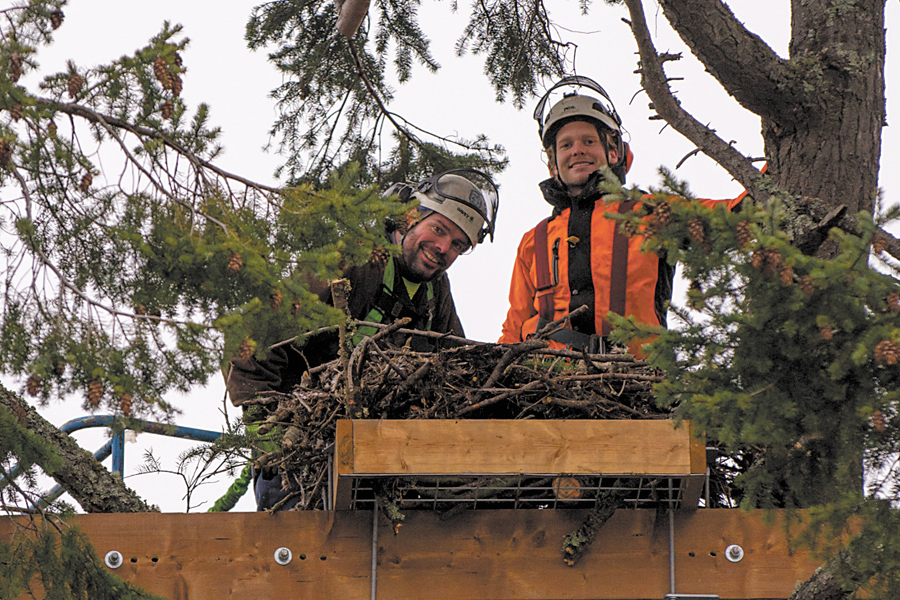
(468, 198)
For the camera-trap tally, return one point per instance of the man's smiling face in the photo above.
(579, 153)
(430, 248)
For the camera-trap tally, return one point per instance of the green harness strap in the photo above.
(376, 315)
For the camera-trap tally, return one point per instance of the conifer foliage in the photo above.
(789, 363)
(334, 102)
(123, 282)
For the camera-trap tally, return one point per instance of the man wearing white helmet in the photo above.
(577, 257)
(457, 210)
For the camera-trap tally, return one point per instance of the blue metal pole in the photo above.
(116, 446)
(118, 454)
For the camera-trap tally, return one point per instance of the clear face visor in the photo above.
(468, 187)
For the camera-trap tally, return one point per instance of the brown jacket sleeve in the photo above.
(445, 318)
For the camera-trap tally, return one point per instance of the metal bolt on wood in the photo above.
(113, 559)
(734, 553)
(283, 556)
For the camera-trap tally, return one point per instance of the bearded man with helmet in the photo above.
(457, 210)
(577, 257)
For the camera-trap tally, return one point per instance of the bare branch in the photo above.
(653, 79)
(745, 65)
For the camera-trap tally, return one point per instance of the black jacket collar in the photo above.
(558, 196)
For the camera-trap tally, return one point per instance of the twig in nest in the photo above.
(616, 376)
(528, 387)
(390, 363)
(412, 380)
(587, 405)
(340, 293)
(426, 334)
(512, 354)
(603, 358)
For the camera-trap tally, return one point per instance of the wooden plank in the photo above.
(694, 484)
(475, 447)
(343, 461)
(213, 556)
(475, 555)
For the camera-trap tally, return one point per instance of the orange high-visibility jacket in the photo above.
(622, 277)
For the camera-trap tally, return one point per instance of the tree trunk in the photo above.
(85, 479)
(831, 149)
(822, 109)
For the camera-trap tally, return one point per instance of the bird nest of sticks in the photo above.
(383, 378)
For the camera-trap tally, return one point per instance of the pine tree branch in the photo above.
(743, 64)
(654, 81)
(109, 121)
(67, 284)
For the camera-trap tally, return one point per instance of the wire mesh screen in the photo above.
(517, 492)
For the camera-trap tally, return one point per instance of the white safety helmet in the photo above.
(465, 196)
(577, 107)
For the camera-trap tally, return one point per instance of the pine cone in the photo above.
(125, 403)
(33, 386)
(663, 212)
(235, 262)
(60, 368)
(744, 234)
(15, 67)
(140, 310)
(17, 112)
(698, 234)
(893, 302)
(887, 353)
(652, 229)
(167, 110)
(95, 393)
(806, 284)
(176, 85)
(379, 257)
(5, 153)
(295, 308)
(879, 244)
(51, 129)
(246, 349)
(771, 260)
(276, 299)
(76, 82)
(785, 274)
(56, 19)
(161, 72)
(85, 184)
(628, 229)
(879, 423)
(826, 332)
(695, 228)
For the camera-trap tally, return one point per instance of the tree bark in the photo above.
(824, 585)
(86, 480)
(822, 109)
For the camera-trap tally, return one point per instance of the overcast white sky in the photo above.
(455, 101)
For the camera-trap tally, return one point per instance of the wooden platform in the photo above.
(469, 553)
(476, 555)
(640, 453)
